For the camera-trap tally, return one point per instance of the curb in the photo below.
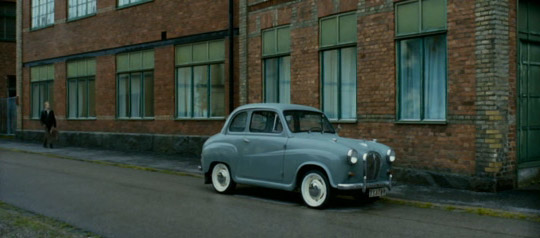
(120, 165)
(469, 209)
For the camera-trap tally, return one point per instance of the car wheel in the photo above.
(315, 189)
(221, 179)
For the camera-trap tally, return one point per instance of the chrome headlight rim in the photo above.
(390, 156)
(352, 156)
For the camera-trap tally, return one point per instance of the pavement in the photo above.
(520, 202)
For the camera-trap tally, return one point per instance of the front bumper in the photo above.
(365, 185)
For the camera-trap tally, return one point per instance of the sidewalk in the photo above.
(519, 201)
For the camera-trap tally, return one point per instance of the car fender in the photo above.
(218, 152)
(317, 164)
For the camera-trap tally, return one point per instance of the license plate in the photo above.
(377, 192)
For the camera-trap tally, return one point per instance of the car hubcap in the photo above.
(314, 190)
(221, 177)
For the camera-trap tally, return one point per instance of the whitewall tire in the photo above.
(315, 189)
(222, 179)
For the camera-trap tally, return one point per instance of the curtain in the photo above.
(123, 85)
(285, 79)
(81, 98)
(91, 98)
(435, 78)
(72, 98)
(410, 64)
(348, 83)
(183, 92)
(200, 96)
(217, 72)
(270, 80)
(35, 100)
(330, 83)
(135, 95)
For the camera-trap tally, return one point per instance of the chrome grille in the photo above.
(373, 161)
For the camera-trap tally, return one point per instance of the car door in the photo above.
(264, 147)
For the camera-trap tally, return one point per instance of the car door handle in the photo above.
(246, 140)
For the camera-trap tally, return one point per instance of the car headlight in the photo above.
(352, 156)
(390, 156)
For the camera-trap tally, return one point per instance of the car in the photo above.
(294, 147)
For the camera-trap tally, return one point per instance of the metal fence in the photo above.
(8, 115)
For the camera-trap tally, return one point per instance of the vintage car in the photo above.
(286, 146)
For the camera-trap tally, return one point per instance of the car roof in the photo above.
(277, 106)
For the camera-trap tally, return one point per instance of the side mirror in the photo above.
(338, 129)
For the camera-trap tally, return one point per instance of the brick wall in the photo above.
(112, 28)
(466, 145)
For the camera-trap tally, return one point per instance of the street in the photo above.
(120, 202)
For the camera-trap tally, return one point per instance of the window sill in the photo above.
(81, 119)
(74, 19)
(132, 4)
(135, 118)
(41, 27)
(343, 121)
(422, 122)
(199, 119)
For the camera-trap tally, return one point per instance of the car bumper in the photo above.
(366, 185)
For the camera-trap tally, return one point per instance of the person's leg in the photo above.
(45, 137)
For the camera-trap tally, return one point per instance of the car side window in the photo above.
(265, 122)
(239, 122)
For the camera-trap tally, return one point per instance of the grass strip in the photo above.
(19, 223)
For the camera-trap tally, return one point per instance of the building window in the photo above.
(277, 65)
(42, 86)
(42, 13)
(200, 80)
(81, 89)
(135, 84)
(126, 3)
(7, 21)
(81, 8)
(338, 66)
(12, 86)
(421, 60)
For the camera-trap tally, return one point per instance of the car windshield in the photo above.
(307, 121)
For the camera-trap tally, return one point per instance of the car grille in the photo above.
(373, 165)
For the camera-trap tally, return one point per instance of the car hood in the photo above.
(362, 146)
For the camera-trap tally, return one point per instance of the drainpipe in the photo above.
(231, 56)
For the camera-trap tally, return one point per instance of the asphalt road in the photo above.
(118, 202)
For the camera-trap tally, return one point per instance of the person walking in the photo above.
(48, 121)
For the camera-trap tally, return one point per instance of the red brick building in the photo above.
(7, 49)
(435, 79)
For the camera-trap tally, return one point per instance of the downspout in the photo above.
(18, 67)
(231, 55)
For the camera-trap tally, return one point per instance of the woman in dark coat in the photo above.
(48, 121)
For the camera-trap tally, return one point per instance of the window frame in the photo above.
(142, 99)
(49, 84)
(5, 16)
(420, 21)
(278, 56)
(338, 46)
(70, 19)
(32, 27)
(276, 115)
(192, 64)
(139, 2)
(420, 35)
(86, 80)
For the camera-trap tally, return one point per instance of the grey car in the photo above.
(288, 147)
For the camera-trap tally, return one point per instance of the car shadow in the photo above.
(338, 203)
